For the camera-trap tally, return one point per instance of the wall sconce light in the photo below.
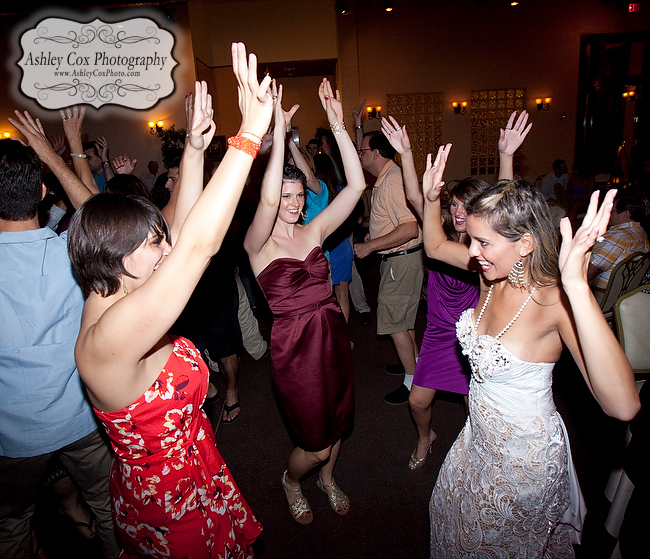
(374, 112)
(6, 134)
(543, 104)
(459, 108)
(388, 5)
(629, 95)
(155, 127)
(341, 8)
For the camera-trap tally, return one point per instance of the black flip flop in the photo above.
(228, 409)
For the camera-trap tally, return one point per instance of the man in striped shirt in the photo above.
(623, 237)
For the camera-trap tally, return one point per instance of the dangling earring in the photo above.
(516, 275)
(126, 291)
(303, 216)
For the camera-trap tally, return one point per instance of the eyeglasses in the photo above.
(360, 151)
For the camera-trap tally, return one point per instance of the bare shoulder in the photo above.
(553, 306)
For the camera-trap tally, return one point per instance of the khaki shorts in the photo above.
(400, 288)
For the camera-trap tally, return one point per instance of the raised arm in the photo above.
(357, 115)
(102, 148)
(123, 165)
(436, 243)
(399, 139)
(201, 128)
(32, 130)
(261, 227)
(313, 183)
(73, 118)
(597, 352)
(509, 140)
(134, 324)
(345, 201)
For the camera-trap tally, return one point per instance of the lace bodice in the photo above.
(515, 383)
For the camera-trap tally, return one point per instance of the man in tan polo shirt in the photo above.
(396, 236)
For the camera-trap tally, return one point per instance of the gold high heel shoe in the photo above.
(338, 500)
(299, 507)
(417, 463)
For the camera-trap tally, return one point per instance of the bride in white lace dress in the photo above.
(507, 487)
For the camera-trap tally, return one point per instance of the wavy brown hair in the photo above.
(464, 191)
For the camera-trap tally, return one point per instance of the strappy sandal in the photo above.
(338, 500)
(417, 463)
(299, 507)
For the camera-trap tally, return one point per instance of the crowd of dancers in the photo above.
(507, 292)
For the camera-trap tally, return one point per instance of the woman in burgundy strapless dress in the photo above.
(311, 360)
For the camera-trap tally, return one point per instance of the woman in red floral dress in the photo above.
(173, 495)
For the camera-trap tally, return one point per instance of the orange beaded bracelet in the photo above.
(245, 144)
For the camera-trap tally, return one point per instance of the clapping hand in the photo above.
(33, 131)
(331, 102)
(255, 98)
(396, 135)
(357, 113)
(199, 117)
(58, 143)
(73, 119)
(575, 250)
(286, 116)
(432, 182)
(102, 147)
(282, 117)
(123, 165)
(514, 134)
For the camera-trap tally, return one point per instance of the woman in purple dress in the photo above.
(441, 365)
(450, 291)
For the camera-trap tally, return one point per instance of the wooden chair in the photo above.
(625, 276)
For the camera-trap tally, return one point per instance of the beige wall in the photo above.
(276, 30)
(449, 46)
(454, 47)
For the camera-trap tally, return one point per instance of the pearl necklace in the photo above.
(487, 298)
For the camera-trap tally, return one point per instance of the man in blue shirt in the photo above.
(44, 413)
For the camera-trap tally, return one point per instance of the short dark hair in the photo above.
(380, 142)
(127, 184)
(105, 229)
(160, 195)
(293, 173)
(314, 141)
(175, 162)
(635, 203)
(326, 173)
(558, 163)
(21, 181)
(90, 145)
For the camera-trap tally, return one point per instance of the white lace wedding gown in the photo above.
(507, 487)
